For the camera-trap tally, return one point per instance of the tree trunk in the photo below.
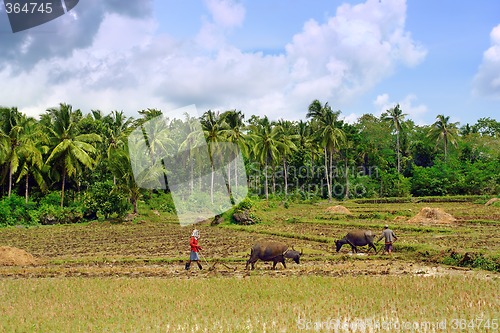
(398, 152)
(191, 181)
(331, 174)
(10, 179)
(274, 179)
(26, 188)
(346, 178)
(229, 177)
(134, 204)
(265, 182)
(62, 188)
(236, 173)
(286, 180)
(445, 141)
(326, 175)
(212, 184)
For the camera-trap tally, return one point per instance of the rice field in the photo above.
(130, 277)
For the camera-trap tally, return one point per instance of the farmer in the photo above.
(390, 238)
(193, 243)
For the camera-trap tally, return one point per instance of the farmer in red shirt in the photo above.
(195, 248)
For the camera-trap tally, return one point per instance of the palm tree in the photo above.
(394, 117)
(70, 150)
(213, 128)
(328, 134)
(286, 137)
(443, 130)
(266, 147)
(120, 165)
(10, 133)
(118, 126)
(234, 134)
(32, 147)
(194, 139)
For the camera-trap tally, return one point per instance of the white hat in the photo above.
(196, 233)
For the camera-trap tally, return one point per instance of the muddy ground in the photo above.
(160, 249)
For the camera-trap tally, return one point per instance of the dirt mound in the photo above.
(400, 219)
(492, 201)
(429, 215)
(11, 256)
(338, 210)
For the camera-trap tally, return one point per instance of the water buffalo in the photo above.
(357, 238)
(272, 251)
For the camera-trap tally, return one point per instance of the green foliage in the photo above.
(245, 204)
(15, 211)
(47, 214)
(394, 185)
(76, 156)
(161, 201)
(473, 260)
(51, 199)
(106, 199)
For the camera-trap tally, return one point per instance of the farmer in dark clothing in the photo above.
(195, 248)
(390, 238)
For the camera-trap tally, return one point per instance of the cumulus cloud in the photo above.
(124, 63)
(354, 50)
(62, 36)
(226, 13)
(408, 105)
(487, 80)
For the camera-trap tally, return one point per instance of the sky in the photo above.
(263, 57)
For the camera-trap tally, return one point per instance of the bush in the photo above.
(51, 214)
(15, 211)
(245, 204)
(161, 202)
(105, 199)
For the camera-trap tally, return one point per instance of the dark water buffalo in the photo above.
(357, 238)
(272, 251)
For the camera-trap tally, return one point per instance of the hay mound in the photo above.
(429, 215)
(400, 219)
(11, 256)
(338, 210)
(492, 201)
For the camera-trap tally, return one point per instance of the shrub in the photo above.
(162, 202)
(106, 199)
(15, 211)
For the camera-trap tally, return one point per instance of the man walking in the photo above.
(390, 238)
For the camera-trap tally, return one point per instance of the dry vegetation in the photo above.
(104, 276)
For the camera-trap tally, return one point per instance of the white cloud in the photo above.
(226, 13)
(354, 50)
(487, 79)
(415, 112)
(130, 66)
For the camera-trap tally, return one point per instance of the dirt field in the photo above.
(155, 246)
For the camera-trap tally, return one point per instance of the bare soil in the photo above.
(11, 256)
(158, 246)
(160, 249)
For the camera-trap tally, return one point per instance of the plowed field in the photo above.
(160, 248)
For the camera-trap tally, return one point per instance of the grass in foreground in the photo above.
(252, 304)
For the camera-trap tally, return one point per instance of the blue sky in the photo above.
(260, 56)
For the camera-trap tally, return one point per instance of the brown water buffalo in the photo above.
(272, 251)
(357, 238)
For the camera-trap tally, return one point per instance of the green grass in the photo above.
(251, 304)
(260, 300)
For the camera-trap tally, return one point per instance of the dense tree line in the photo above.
(83, 161)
